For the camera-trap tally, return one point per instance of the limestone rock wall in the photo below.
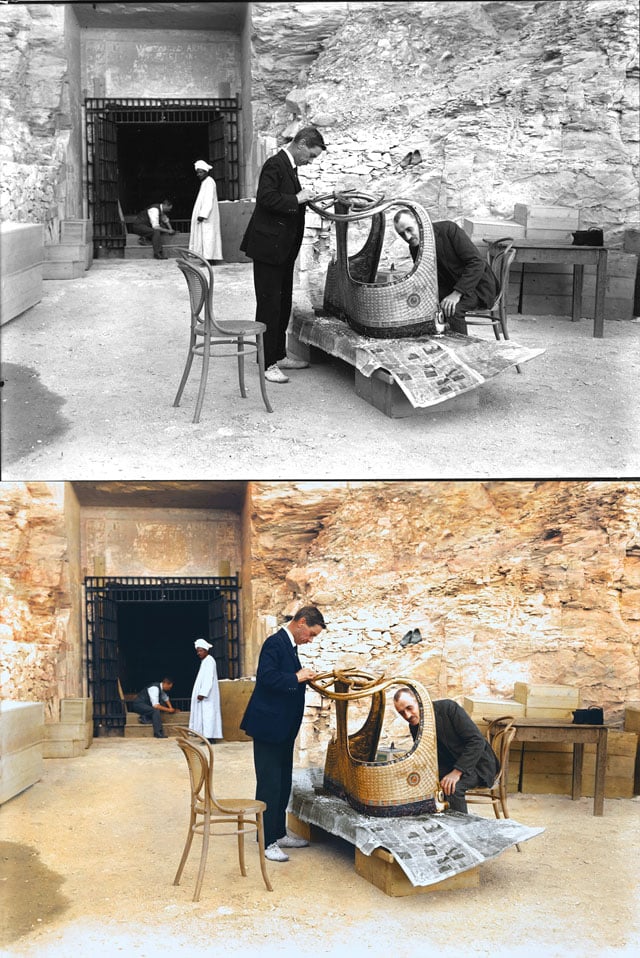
(39, 115)
(506, 581)
(36, 606)
(504, 102)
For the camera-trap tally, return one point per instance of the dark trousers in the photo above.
(457, 322)
(457, 801)
(274, 294)
(149, 712)
(154, 235)
(274, 767)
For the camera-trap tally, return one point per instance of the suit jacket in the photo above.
(460, 265)
(274, 232)
(460, 743)
(274, 712)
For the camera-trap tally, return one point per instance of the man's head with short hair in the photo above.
(307, 623)
(407, 705)
(306, 145)
(167, 683)
(406, 226)
(167, 205)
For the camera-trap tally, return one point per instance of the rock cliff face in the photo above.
(505, 102)
(35, 111)
(506, 581)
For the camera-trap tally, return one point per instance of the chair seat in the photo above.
(238, 327)
(234, 806)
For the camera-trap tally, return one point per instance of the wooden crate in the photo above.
(563, 235)
(76, 231)
(546, 217)
(479, 708)
(76, 710)
(481, 229)
(547, 767)
(382, 870)
(21, 734)
(382, 391)
(21, 258)
(547, 701)
(632, 718)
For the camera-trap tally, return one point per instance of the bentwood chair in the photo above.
(207, 333)
(500, 256)
(500, 734)
(236, 816)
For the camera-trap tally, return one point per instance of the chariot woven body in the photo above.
(402, 308)
(407, 785)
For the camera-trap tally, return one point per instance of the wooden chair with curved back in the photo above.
(500, 256)
(207, 333)
(500, 734)
(206, 810)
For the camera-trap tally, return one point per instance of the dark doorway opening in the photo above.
(139, 629)
(155, 162)
(156, 640)
(159, 156)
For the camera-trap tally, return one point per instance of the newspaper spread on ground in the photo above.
(428, 848)
(428, 369)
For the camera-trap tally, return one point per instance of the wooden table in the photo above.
(555, 730)
(532, 251)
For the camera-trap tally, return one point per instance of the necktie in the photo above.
(297, 181)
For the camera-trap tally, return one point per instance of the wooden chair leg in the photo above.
(187, 370)
(263, 860)
(206, 356)
(187, 849)
(203, 856)
(240, 823)
(263, 383)
(243, 391)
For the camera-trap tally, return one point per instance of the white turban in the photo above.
(202, 644)
(201, 165)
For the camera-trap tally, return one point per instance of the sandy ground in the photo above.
(88, 856)
(91, 372)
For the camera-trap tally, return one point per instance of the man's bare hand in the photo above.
(450, 780)
(305, 675)
(450, 302)
(304, 196)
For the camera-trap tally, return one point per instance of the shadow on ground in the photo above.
(37, 901)
(34, 418)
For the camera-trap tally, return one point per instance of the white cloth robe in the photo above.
(206, 717)
(205, 237)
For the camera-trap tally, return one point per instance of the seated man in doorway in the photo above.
(151, 701)
(465, 758)
(465, 279)
(151, 224)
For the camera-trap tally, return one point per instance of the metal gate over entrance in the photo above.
(140, 152)
(141, 629)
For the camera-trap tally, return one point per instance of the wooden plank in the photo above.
(492, 229)
(561, 694)
(632, 718)
(550, 235)
(479, 708)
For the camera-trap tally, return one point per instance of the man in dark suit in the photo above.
(465, 279)
(465, 758)
(273, 718)
(273, 239)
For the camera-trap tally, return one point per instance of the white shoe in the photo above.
(288, 363)
(292, 841)
(275, 854)
(275, 375)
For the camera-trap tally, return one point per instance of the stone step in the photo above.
(133, 728)
(135, 250)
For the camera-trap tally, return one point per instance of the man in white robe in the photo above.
(206, 717)
(205, 237)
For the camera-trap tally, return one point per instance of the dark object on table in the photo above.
(590, 237)
(591, 716)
